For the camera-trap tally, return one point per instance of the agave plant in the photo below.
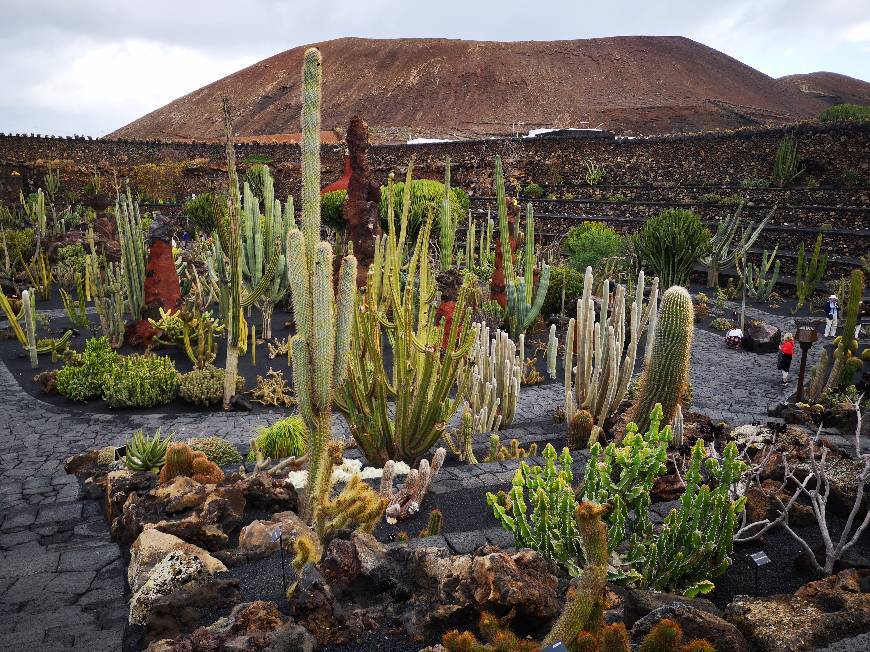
(146, 453)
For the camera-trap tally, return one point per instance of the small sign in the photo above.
(276, 534)
(558, 646)
(760, 558)
(120, 453)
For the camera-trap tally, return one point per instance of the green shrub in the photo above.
(141, 381)
(846, 113)
(533, 191)
(83, 378)
(722, 324)
(19, 243)
(573, 282)
(70, 264)
(217, 450)
(671, 243)
(202, 212)
(786, 163)
(426, 195)
(331, 204)
(590, 243)
(463, 199)
(252, 159)
(205, 386)
(284, 438)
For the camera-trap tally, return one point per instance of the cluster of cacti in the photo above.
(524, 300)
(182, 460)
(194, 330)
(495, 371)
(600, 356)
(435, 525)
(144, 453)
(264, 237)
(272, 389)
(809, 272)
(217, 450)
(27, 336)
(140, 381)
(76, 309)
(133, 254)
(357, 507)
(401, 413)
(496, 634)
(755, 278)
(306, 550)
(406, 501)
(205, 386)
(84, 377)
(461, 445)
(284, 438)
(582, 431)
(104, 283)
(724, 251)
(666, 375)
(695, 541)
(513, 451)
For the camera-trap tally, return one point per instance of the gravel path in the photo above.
(61, 578)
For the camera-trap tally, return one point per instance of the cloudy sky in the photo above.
(91, 66)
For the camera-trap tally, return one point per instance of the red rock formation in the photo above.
(498, 284)
(343, 181)
(162, 288)
(363, 198)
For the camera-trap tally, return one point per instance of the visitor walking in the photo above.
(786, 351)
(832, 313)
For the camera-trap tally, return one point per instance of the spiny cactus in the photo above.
(446, 223)
(679, 427)
(584, 604)
(495, 377)
(492, 451)
(307, 550)
(133, 253)
(724, 251)
(407, 501)
(435, 525)
(809, 272)
(179, 457)
(580, 430)
(599, 361)
(755, 278)
(104, 282)
(324, 318)
(552, 352)
(28, 304)
(516, 452)
(357, 506)
(665, 377)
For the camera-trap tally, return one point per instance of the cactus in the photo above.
(679, 427)
(598, 364)
(809, 272)
(494, 379)
(580, 430)
(494, 445)
(552, 352)
(435, 525)
(306, 550)
(407, 501)
(76, 309)
(665, 377)
(755, 278)
(28, 303)
(724, 251)
(105, 283)
(786, 163)
(847, 343)
(401, 413)
(179, 459)
(516, 452)
(133, 254)
(446, 223)
(585, 603)
(357, 506)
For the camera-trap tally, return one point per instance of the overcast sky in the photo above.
(91, 66)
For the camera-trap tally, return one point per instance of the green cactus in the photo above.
(755, 278)
(585, 603)
(724, 251)
(809, 272)
(524, 301)
(105, 283)
(494, 445)
(847, 343)
(446, 223)
(435, 525)
(580, 430)
(665, 378)
(28, 302)
(133, 255)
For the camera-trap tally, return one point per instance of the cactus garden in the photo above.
(410, 417)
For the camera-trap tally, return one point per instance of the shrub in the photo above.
(331, 204)
(786, 163)
(141, 381)
(722, 324)
(573, 282)
(205, 386)
(846, 113)
(426, 195)
(671, 243)
(533, 191)
(463, 199)
(70, 264)
(284, 438)
(19, 243)
(202, 211)
(217, 450)
(590, 243)
(83, 378)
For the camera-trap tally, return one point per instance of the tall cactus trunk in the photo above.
(713, 274)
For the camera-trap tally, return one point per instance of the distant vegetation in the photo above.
(846, 113)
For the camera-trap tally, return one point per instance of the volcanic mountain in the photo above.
(830, 87)
(455, 88)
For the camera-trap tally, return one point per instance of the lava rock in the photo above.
(183, 610)
(174, 571)
(696, 624)
(266, 492)
(761, 338)
(152, 546)
(257, 539)
(637, 603)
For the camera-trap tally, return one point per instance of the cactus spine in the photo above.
(580, 430)
(324, 321)
(724, 251)
(665, 378)
(132, 239)
(28, 301)
(598, 366)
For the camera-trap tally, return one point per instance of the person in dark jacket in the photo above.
(786, 351)
(832, 313)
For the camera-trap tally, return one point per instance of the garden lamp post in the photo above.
(806, 335)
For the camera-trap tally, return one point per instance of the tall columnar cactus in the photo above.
(524, 301)
(133, 254)
(105, 283)
(724, 251)
(495, 376)
(446, 223)
(28, 301)
(428, 362)
(552, 352)
(755, 278)
(584, 605)
(844, 350)
(809, 272)
(264, 236)
(324, 319)
(665, 379)
(598, 365)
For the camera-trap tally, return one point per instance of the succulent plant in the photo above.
(205, 386)
(141, 381)
(284, 438)
(217, 449)
(146, 453)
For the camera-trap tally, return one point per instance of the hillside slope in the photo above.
(830, 87)
(442, 87)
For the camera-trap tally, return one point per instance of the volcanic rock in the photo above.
(761, 338)
(696, 624)
(152, 546)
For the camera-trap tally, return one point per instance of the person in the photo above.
(832, 313)
(786, 351)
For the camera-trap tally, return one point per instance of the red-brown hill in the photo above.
(830, 87)
(443, 87)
